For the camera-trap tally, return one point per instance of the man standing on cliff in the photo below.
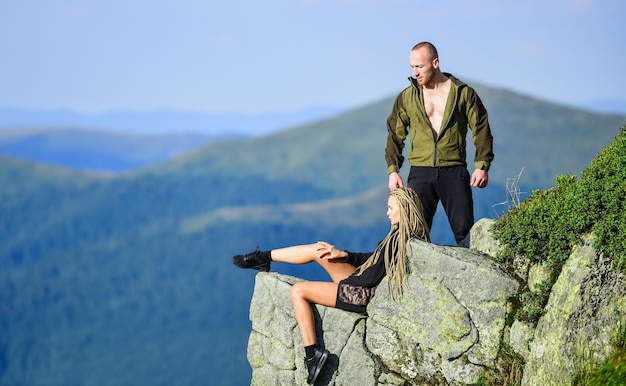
(435, 111)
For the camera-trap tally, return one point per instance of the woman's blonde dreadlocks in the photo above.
(411, 225)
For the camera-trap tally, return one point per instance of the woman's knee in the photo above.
(296, 291)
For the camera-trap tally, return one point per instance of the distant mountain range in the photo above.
(119, 279)
(98, 150)
(123, 141)
(213, 125)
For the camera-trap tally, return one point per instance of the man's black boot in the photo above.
(257, 259)
(314, 365)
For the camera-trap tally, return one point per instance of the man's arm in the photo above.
(396, 134)
(478, 121)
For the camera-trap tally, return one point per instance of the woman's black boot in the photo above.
(314, 365)
(257, 259)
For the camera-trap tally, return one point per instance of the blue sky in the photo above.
(250, 56)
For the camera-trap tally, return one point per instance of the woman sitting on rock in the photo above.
(355, 275)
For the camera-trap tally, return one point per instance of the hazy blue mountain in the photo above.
(167, 121)
(127, 279)
(122, 141)
(97, 150)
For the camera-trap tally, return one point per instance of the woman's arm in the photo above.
(370, 277)
(330, 252)
(357, 259)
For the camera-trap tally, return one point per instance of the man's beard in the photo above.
(426, 79)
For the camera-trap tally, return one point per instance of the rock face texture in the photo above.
(448, 327)
(586, 306)
(450, 320)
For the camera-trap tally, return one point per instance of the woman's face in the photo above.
(393, 210)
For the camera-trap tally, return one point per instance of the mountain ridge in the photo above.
(98, 150)
(166, 121)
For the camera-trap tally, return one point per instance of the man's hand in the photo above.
(480, 178)
(395, 181)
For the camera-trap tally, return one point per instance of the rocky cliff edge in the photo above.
(449, 325)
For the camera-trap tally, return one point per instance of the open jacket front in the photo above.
(408, 118)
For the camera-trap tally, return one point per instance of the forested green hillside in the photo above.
(127, 279)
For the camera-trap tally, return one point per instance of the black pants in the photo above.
(451, 185)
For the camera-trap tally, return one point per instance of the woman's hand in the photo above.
(328, 251)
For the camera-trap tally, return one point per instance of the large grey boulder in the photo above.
(446, 329)
(585, 312)
(587, 305)
(452, 316)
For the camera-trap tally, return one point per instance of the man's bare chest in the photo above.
(435, 106)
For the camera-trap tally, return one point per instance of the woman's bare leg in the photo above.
(303, 254)
(297, 254)
(305, 293)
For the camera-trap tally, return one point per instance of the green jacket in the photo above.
(463, 108)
